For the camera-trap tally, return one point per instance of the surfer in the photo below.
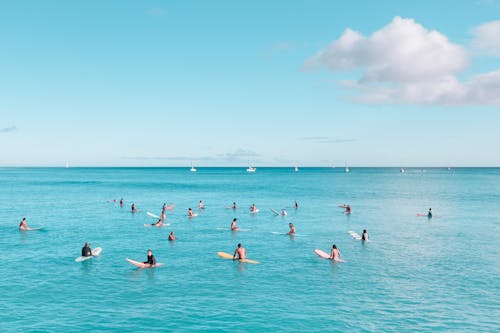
(134, 210)
(86, 250)
(364, 235)
(201, 205)
(233, 225)
(292, 229)
(158, 223)
(253, 208)
(283, 212)
(23, 225)
(190, 212)
(151, 259)
(241, 252)
(121, 202)
(347, 208)
(295, 205)
(171, 237)
(429, 214)
(335, 254)
(234, 206)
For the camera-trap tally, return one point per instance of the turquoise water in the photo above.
(415, 274)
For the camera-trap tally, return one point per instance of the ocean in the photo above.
(416, 274)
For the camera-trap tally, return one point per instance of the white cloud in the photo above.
(487, 38)
(405, 63)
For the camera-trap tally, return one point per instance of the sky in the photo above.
(271, 83)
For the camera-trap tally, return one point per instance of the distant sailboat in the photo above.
(402, 170)
(67, 165)
(347, 168)
(296, 169)
(193, 169)
(250, 168)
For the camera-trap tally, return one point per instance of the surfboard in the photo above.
(170, 207)
(354, 235)
(275, 212)
(30, 229)
(255, 211)
(225, 255)
(194, 215)
(324, 255)
(229, 229)
(288, 234)
(95, 252)
(153, 215)
(157, 226)
(140, 264)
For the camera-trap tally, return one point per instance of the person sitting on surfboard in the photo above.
(233, 225)
(190, 212)
(171, 237)
(364, 235)
(234, 206)
(201, 205)
(292, 229)
(133, 208)
(23, 225)
(121, 202)
(335, 254)
(151, 259)
(429, 214)
(241, 252)
(253, 208)
(86, 250)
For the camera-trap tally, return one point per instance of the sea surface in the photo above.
(415, 274)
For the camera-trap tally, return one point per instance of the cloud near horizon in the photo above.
(239, 155)
(405, 63)
(9, 129)
(325, 139)
(486, 38)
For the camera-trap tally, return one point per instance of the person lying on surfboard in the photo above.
(364, 235)
(134, 210)
(24, 224)
(292, 229)
(151, 259)
(241, 252)
(171, 237)
(335, 254)
(201, 205)
(233, 225)
(158, 223)
(86, 250)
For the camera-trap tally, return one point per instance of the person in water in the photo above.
(86, 250)
(134, 210)
(171, 237)
(190, 212)
(24, 224)
(295, 204)
(364, 235)
(347, 209)
(240, 252)
(233, 225)
(151, 259)
(234, 206)
(158, 223)
(121, 202)
(335, 254)
(292, 229)
(429, 214)
(201, 205)
(283, 212)
(253, 208)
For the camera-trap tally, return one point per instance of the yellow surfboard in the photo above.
(225, 255)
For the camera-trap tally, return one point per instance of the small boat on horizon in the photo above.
(296, 168)
(347, 168)
(402, 170)
(251, 168)
(193, 169)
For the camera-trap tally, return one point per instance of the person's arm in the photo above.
(234, 255)
(153, 261)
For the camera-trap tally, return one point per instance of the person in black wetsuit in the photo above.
(151, 258)
(364, 235)
(86, 250)
(429, 214)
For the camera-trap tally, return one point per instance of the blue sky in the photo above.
(164, 83)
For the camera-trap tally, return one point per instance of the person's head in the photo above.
(334, 246)
(159, 220)
(290, 225)
(150, 253)
(364, 231)
(235, 219)
(171, 233)
(24, 219)
(239, 245)
(87, 244)
(190, 209)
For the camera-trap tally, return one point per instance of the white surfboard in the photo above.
(95, 252)
(153, 215)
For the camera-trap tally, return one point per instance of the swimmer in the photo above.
(190, 212)
(233, 225)
(283, 212)
(253, 208)
(292, 229)
(364, 235)
(171, 237)
(24, 224)
(295, 205)
(86, 250)
(234, 206)
(201, 205)
(151, 260)
(429, 214)
(347, 208)
(121, 202)
(335, 254)
(241, 252)
(134, 210)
